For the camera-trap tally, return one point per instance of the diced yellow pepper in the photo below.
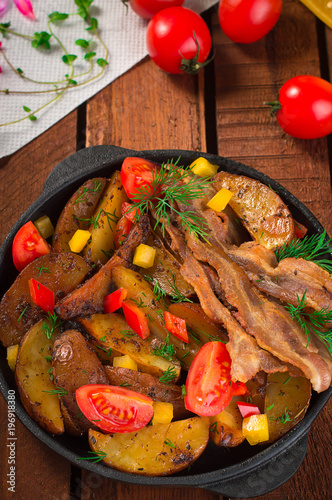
(44, 226)
(12, 356)
(144, 256)
(255, 428)
(125, 362)
(220, 200)
(162, 413)
(79, 240)
(203, 168)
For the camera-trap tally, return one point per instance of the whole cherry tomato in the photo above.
(148, 8)
(114, 409)
(178, 40)
(246, 21)
(28, 245)
(304, 107)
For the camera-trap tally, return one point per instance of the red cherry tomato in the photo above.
(208, 386)
(246, 21)
(113, 301)
(41, 295)
(304, 107)
(128, 211)
(121, 231)
(176, 326)
(148, 8)
(28, 245)
(114, 409)
(178, 40)
(137, 173)
(239, 389)
(136, 319)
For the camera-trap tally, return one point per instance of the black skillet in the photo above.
(239, 472)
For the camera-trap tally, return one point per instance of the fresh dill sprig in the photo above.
(50, 324)
(283, 418)
(171, 184)
(308, 248)
(169, 443)
(176, 295)
(95, 456)
(166, 350)
(60, 392)
(168, 375)
(312, 321)
(96, 188)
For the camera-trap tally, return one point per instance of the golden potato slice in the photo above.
(106, 216)
(260, 209)
(33, 378)
(151, 386)
(157, 450)
(286, 402)
(59, 272)
(226, 427)
(77, 211)
(112, 334)
(74, 365)
(140, 291)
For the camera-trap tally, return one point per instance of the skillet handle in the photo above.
(267, 477)
(81, 163)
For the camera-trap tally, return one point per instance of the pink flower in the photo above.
(25, 7)
(3, 5)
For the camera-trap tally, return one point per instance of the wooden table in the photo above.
(219, 111)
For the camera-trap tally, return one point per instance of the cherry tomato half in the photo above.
(304, 107)
(178, 40)
(148, 8)
(27, 246)
(114, 409)
(246, 21)
(137, 173)
(208, 386)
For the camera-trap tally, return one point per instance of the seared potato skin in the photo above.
(33, 379)
(260, 209)
(226, 427)
(75, 364)
(156, 450)
(81, 205)
(17, 311)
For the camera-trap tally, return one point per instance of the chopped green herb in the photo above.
(168, 375)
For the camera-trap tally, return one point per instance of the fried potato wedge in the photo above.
(226, 427)
(156, 450)
(286, 402)
(75, 364)
(106, 216)
(77, 211)
(62, 273)
(151, 386)
(140, 291)
(198, 323)
(88, 299)
(112, 334)
(33, 379)
(260, 209)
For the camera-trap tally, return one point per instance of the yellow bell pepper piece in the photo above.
(162, 413)
(255, 428)
(79, 240)
(44, 226)
(12, 356)
(203, 168)
(220, 200)
(125, 362)
(144, 256)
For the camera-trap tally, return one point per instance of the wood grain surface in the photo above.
(220, 111)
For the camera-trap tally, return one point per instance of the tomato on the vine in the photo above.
(28, 245)
(209, 387)
(113, 408)
(137, 173)
(178, 40)
(246, 21)
(304, 107)
(148, 8)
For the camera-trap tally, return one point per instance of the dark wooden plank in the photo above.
(147, 109)
(40, 473)
(246, 76)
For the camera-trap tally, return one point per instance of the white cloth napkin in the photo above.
(123, 33)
